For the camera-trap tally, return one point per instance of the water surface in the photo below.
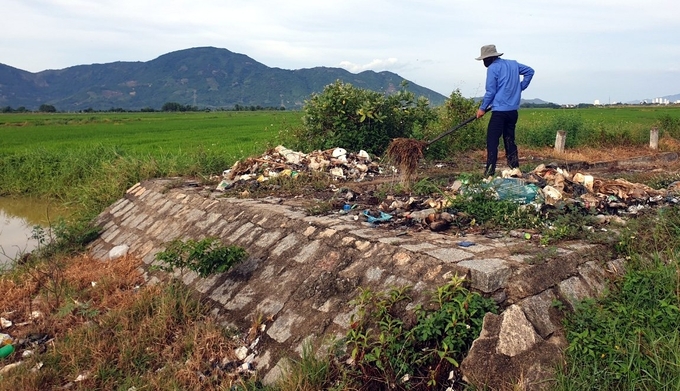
(18, 217)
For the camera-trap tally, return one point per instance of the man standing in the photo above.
(503, 93)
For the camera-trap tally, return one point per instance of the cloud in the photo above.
(433, 43)
(377, 65)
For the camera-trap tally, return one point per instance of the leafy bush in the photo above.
(394, 351)
(353, 118)
(455, 110)
(205, 257)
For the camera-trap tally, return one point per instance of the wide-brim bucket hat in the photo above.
(488, 51)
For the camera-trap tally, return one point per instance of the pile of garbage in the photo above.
(546, 186)
(552, 185)
(337, 162)
(28, 346)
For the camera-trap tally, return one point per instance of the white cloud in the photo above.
(377, 65)
(573, 44)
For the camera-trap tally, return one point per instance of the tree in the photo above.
(44, 108)
(171, 106)
(353, 118)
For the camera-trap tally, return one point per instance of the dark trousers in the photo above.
(502, 123)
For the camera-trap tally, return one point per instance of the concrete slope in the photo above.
(303, 271)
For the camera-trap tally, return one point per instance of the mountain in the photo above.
(535, 101)
(203, 77)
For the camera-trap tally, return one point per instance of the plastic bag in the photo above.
(515, 190)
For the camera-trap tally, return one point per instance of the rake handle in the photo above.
(460, 125)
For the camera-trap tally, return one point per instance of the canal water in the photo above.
(18, 217)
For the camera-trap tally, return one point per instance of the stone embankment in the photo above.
(303, 271)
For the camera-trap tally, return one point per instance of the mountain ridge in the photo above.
(206, 77)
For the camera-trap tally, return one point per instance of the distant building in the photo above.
(597, 102)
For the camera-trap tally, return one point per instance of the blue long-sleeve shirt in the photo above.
(503, 85)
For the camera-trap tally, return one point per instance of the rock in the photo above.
(508, 351)
(516, 334)
(118, 252)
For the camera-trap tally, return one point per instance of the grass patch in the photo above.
(113, 332)
(628, 340)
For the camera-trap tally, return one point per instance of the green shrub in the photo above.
(455, 111)
(205, 257)
(353, 118)
(391, 350)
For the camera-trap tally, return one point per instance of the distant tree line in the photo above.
(21, 109)
(167, 107)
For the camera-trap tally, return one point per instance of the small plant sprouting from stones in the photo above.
(205, 257)
(419, 350)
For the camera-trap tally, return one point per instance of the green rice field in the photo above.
(89, 159)
(231, 133)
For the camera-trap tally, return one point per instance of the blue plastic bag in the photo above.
(372, 219)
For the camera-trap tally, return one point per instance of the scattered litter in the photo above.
(11, 366)
(466, 243)
(380, 218)
(5, 339)
(6, 350)
(514, 189)
(5, 323)
(545, 187)
(241, 353)
(38, 366)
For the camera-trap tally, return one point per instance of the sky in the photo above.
(581, 50)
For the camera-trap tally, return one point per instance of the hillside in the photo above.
(205, 77)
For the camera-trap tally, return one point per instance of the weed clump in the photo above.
(205, 257)
(392, 348)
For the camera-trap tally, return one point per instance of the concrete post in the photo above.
(654, 138)
(560, 140)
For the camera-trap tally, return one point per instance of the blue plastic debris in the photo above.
(372, 219)
(465, 243)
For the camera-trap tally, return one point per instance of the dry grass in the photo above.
(114, 331)
(404, 153)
